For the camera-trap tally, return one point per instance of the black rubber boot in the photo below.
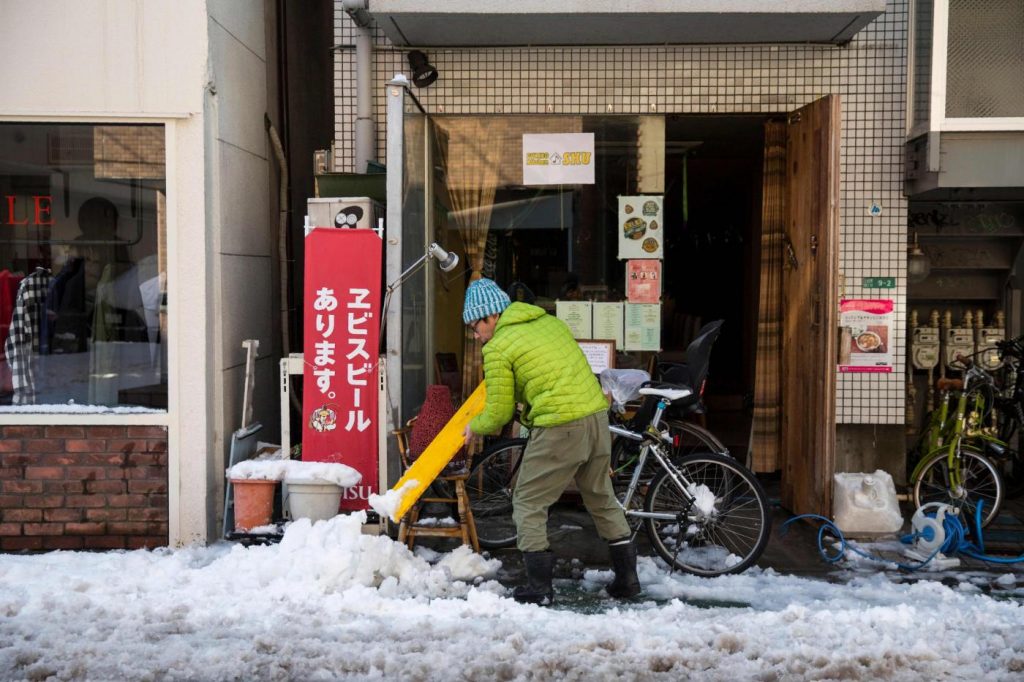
(626, 584)
(537, 590)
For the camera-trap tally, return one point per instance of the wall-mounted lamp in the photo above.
(446, 260)
(423, 72)
(918, 264)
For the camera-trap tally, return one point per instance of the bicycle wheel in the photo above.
(489, 488)
(980, 482)
(724, 529)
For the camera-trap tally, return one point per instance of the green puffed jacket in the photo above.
(533, 359)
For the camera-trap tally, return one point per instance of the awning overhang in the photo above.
(472, 23)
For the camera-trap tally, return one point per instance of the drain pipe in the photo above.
(364, 128)
(282, 240)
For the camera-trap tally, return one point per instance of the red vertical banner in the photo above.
(341, 309)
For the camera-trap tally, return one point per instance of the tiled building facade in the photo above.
(869, 74)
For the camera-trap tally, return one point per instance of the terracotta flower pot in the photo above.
(254, 502)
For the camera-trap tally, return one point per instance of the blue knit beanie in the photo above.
(483, 298)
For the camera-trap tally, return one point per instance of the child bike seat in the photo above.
(666, 392)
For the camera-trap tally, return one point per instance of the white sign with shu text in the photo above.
(558, 159)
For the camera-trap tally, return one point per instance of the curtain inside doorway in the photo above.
(766, 429)
(471, 163)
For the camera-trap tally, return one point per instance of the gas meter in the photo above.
(924, 347)
(988, 337)
(959, 340)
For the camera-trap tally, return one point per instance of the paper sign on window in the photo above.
(641, 229)
(643, 281)
(643, 327)
(558, 159)
(577, 315)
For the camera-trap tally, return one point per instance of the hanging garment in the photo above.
(65, 311)
(71, 310)
(22, 345)
(9, 283)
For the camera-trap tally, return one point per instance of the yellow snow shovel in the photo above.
(440, 451)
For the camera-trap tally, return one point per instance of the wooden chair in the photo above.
(410, 527)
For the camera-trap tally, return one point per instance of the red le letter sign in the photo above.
(41, 215)
(44, 205)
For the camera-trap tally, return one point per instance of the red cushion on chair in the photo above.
(437, 410)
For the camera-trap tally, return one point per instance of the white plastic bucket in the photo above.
(312, 499)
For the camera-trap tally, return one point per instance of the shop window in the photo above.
(83, 268)
(561, 246)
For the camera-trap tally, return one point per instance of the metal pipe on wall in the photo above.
(364, 128)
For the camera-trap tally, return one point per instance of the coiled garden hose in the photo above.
(956, 541)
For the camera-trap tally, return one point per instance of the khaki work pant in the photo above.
(555, 455)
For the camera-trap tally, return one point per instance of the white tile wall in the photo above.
(869, 74)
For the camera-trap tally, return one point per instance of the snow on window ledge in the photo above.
(60, 408)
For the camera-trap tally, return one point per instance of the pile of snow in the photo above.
(389, 503)
(329, 602)
(295, 471)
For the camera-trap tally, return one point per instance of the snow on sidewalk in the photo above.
(329, 602)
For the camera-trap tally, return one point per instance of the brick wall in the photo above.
(83, 487)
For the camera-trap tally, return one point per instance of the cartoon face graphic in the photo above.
(323, 419)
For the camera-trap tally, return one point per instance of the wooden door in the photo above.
(810, 307)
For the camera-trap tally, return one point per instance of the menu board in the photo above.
(865, 344)
(643, 281)
(608, 319)
(640, 227)
(600, 355)
(577, 315)
(643, 327)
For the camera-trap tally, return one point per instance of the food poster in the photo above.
(640, 227)
(608, 318)
(865, 341)
(643, 327)
(577, 315)
(643, 281)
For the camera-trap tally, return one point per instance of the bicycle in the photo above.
(954, 469)
(1009, 411)
(705, 514)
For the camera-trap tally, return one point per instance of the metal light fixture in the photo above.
(423, 72)
(918, 264)
(446, 260)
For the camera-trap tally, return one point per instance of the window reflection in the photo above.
(83, 251)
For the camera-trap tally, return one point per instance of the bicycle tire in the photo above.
(982, 481)
(728, 536)
(489, 488)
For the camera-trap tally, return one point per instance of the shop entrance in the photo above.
(713, 194)
(733, 191)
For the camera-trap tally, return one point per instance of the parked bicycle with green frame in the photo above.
(966, 448)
